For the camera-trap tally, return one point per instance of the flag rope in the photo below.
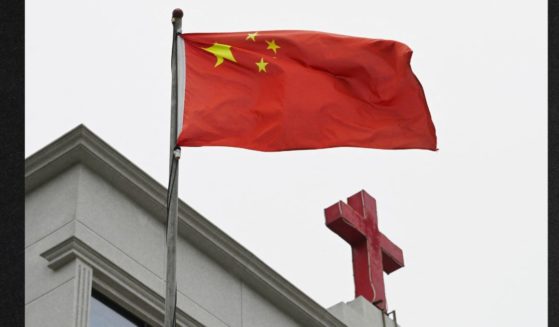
(170, 185)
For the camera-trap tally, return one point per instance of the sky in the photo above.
(471, 218)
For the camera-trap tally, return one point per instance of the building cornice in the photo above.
(80, 145)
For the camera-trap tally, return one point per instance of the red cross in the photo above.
(356, 222)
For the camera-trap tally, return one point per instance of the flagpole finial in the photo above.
(177, 13)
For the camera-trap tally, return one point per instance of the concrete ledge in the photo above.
(361, 313)
(107, 276)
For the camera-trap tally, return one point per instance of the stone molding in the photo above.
(94, 270)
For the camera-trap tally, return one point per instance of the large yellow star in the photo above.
(252, 36)
(273, 46)
(261, 65)
(221, 51)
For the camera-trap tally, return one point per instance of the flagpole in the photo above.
(172, 192)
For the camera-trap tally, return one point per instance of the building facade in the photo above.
(95, 253)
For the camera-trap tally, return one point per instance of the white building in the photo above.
(95, 253)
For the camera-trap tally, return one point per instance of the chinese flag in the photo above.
(290, 90)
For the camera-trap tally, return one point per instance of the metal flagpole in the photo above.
(172, 192)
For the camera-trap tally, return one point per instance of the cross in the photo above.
(356, 222)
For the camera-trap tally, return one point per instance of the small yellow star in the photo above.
(261, 65)
(252, 36)
(273, 46)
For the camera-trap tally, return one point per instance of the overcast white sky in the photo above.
(470, 218)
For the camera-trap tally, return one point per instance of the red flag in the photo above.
(289, 90)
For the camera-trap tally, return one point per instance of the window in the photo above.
(106, 313)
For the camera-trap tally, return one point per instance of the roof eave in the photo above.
(80, 145)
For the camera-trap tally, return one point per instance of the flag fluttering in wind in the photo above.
(291, 90)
